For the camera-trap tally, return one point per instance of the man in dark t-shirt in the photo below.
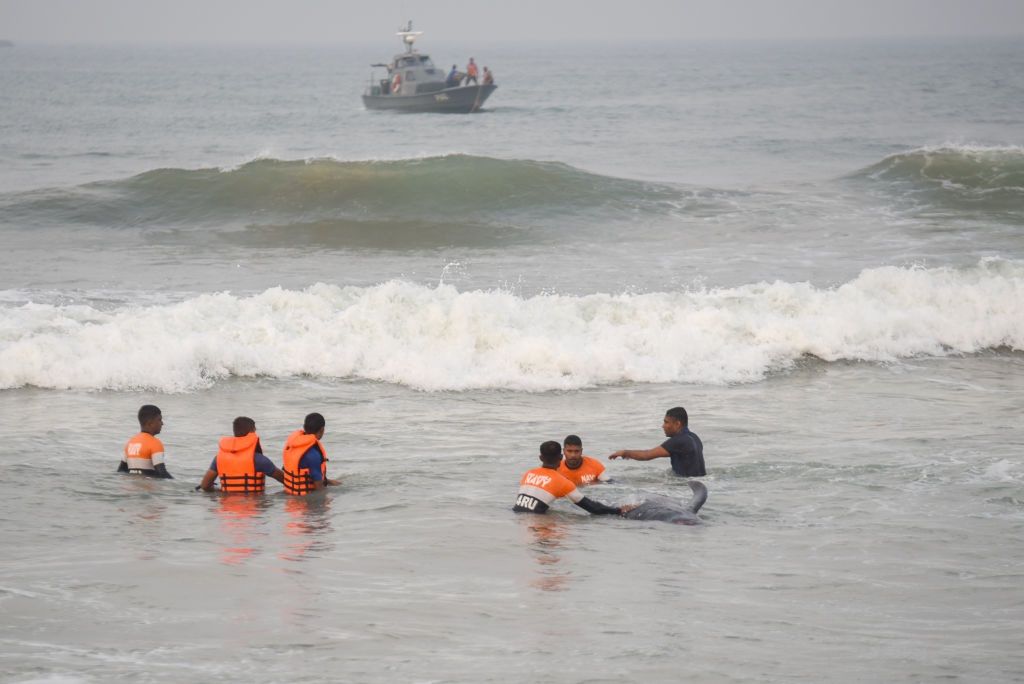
(683, 447)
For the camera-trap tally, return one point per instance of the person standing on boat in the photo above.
(454, 77)
(488, 77)
(471, 72)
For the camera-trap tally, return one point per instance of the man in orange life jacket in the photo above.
(581, 470)
(240, 462)
(539, 487)
(305, 459)
(144, 453)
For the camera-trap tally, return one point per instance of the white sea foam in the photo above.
(269, 154)
(438, 338)
(1000, 471)
(967, 147)
(265, 153)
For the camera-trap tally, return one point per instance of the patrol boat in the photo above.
(414, 84)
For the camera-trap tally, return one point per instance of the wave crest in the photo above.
(268, 191)
(981, 177)
(437, 338)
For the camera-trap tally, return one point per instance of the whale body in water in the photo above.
(670, 510)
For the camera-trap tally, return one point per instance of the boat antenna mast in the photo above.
(409, 36)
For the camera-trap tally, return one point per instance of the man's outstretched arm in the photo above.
(640, 454)
(598, 508)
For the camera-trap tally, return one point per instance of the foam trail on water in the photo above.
(438, 338)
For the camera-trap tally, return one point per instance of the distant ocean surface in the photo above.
(816, 248)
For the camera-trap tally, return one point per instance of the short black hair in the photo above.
(147, 413)
(551, 453)
(574, 440)
(243, 425)
(314, 423)
(678, 413)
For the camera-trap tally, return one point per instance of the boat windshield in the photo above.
(414, 60)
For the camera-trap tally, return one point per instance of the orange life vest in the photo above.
(297, 480)
(236, 464)
(538, 488)
(589, 471)
(471, 69)
(141, 451)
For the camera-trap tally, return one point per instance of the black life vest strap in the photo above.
(243, 483)
(296, 483)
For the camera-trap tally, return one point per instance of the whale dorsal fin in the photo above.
(700, 495)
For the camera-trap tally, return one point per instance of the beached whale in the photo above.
(671, 510)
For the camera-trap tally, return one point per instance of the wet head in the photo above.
(151, 420)
(573, 452)
(550, 454)
(675, 421)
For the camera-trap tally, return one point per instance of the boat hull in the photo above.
(460, 100)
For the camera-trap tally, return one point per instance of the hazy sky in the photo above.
(337, 21)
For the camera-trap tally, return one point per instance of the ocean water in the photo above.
(816, 248)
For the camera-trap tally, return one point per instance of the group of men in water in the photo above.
(557, 478)
(240, 463)
(241, 466)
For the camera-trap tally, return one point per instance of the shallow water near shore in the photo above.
(828, 277)
(420, 571)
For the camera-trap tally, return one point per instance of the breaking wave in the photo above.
(962, 176)
(271, 191)
(438, 338)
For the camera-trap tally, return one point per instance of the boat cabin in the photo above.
(409, 73)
